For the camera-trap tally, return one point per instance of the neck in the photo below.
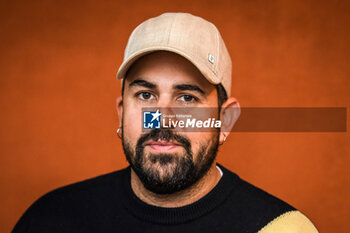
(181, 198)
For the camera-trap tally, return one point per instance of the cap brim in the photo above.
(205, 71)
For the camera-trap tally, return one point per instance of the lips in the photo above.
(163, 146)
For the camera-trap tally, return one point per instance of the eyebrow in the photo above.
(189, 87)
(182, 87)
(142, 83)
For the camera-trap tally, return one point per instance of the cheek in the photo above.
(132, 124)
(200, 139)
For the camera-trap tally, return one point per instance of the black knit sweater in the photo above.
(108, 204)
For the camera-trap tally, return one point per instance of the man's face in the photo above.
(167, 160)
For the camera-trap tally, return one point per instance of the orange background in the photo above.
(58, 90)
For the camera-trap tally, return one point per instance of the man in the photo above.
(173, 184)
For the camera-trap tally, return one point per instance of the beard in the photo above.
(167, 173)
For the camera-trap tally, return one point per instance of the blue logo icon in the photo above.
(151, 120)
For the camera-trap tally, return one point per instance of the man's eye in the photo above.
(145, 95)
(188, 98)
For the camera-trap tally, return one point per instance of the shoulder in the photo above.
(253, 199)
(62, 206)
(259, 210)
(86, 189)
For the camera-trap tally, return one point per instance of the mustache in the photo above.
(164, 135)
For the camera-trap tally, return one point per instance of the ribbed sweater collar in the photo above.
(182, 214)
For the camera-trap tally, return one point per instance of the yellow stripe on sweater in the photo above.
(290, 222)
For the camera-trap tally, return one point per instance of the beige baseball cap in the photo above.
(192, 37)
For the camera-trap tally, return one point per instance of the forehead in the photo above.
(166, 68)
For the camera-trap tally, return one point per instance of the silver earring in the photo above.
(224, 140)
(118, 132)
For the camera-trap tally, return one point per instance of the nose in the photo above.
(164, 104)
(165, 100)
(168, 118)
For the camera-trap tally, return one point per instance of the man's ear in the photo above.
(230, 111)
(119, 105)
